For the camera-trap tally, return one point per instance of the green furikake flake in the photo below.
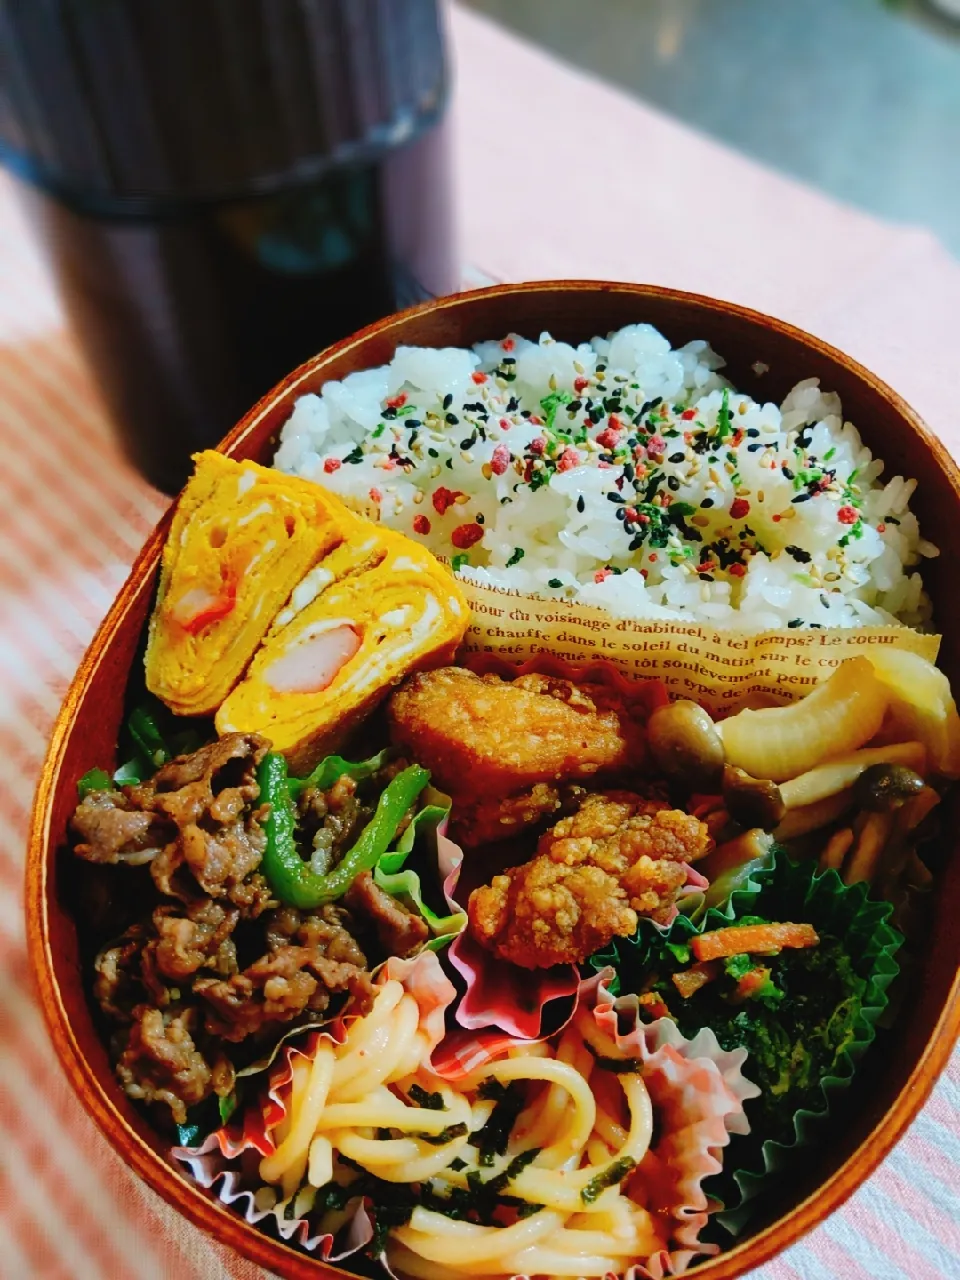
(429, 1101)
(516, 557)
(459, 561)
(619, 1066)
(444, 1136)
(612, 1176)
(724, 418)
(491, 1140)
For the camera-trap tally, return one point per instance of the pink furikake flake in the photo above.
(500, 460)
(443, 499)
(466, 535)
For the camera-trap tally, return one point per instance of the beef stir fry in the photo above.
(220, 967)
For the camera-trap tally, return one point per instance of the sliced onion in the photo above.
(828, 779)
(921, 706)
(838, 716)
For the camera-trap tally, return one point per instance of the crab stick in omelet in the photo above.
(243, 538)
(376, 609)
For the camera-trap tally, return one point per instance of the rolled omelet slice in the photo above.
(380, 607)
(243, 538)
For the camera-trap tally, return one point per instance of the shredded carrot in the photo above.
(689, 981)
(750, 983)
(752, 937)
(653, 1004)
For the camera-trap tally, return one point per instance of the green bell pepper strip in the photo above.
(292, 879)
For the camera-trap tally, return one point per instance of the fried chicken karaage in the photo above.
(595, 873)
(511, 753)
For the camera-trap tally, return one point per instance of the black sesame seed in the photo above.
(752, 448)
(452, 419)
(824, 601)
(707, 502)
(554, 582)
(676, 457)
(753, 432)
(513, 404)
(448, 400)
(798, 553)
(795, 622)
(433, 453)
(706, 577)
(788, 474)
(673, 483)
(581, 504)
(615, 497)
(620, 513)
(479, 517)
(802, 497)
(412, 424)
(509, 360)
(468, 441)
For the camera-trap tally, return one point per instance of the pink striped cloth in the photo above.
(559, 176)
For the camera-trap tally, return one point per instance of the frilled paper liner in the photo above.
(794, 891)
(696, 1088)
(227, 1162)
(395, 877)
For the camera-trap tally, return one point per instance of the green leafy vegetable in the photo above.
(94, 780)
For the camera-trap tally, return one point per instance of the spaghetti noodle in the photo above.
(524, 1166)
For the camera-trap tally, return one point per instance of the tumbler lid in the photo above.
(136, 104)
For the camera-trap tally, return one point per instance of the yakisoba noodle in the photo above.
(587, 1127)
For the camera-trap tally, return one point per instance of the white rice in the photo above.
(576, 474)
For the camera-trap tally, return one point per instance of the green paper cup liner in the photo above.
(782, 890)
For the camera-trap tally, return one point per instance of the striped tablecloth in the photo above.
(559, 176)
